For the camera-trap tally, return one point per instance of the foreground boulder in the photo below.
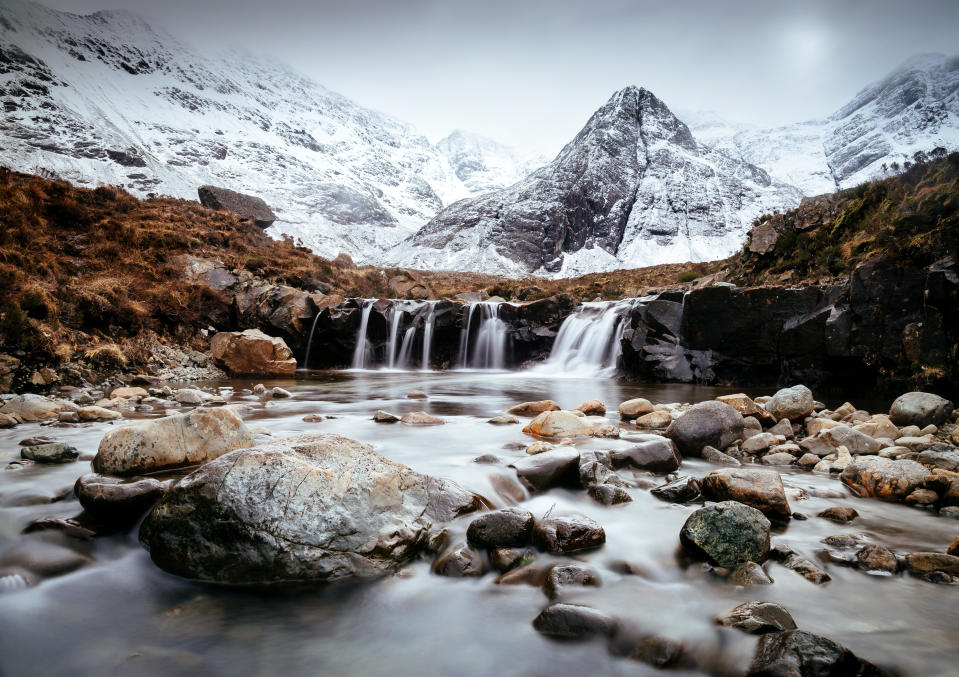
(792, 403)
(883, 478)
(796, 653)
(252, 353)
(920, 409)
(712, 424)
(313, 507)
(177, 440)
(728, 534)
(761, 489)
(246, 206)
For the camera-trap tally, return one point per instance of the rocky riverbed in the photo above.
(474, 522)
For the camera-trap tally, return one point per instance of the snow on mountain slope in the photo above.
(106, 98)
(914, 108)
(634, 188)
(484, 165)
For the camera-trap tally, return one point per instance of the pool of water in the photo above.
(122, 615)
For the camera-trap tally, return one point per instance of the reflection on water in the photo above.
(121, 615)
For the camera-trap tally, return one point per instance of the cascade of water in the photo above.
(406, 349)
(309, 342)
(490, 349)
(589, 340)
(361, 352)
(396, 316)
(428, 335)
(462, 359)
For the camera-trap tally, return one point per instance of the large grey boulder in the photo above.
(711, 424)
(792, 403)
(246, 206)
(312, 507)
(177, 440)
(797, 653)
(920, 409)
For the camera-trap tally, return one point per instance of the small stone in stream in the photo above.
(783, 428)
(592, 408)
(279, 393)
(760, 489)
(505, 559)
(69, 526)
(883, 478)
(460, 561)
(856, 442)
(748, 575)
(595, 467)
(659, 652)
(486, 459)
(438, 540)
(843, 541)
(34, 441)
(416, 395)
(190, 396)
(508, 488)
(531, 409)
(757, 444)
(527, 574)
(655, 454)
(926, 562)
(953, 548)
(727, 533)
(128, 393)
(609, 494)
(657, 420)
(54, 452)
(808, 461)
(807, 569)
(559, 467)
(570, 533)
(757, 618)
(559, 424)
(114, 500)
(421, 418)
(538, 447)
(93, 413)
(631, 409)
(563, 577)
(877, 559)
(680, 490)
(607, 431)
(706, 424)
(509, 527)
(385, 417)
(799, 516)
(714, 455)
(313, 418)
(921, 497)
(792, 403)
(920, 409)
(840, 514)
(796, 653)
(259, 389)
(503, 420)
(568, 621)
(779, 458)
(949, 511)
(43, 559)
(7, 421)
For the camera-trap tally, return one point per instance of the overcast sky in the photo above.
(531, 73)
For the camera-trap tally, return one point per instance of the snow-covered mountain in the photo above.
(484, 165)
(106, 98)
(914, 108)
(634, 188)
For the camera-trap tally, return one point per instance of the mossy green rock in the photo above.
(727, 534)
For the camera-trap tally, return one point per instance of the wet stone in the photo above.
(796, 653)
(727, 534)
(559, 467)
(568, 534)
(563, 577)
(385, 417)
(505, 559)
(839, 514)
(716, 456)
(609, 494)
(569, 621)
(757, 618)
(460, 561)
(509, 527)
(680, 490)
(760, 489)
(657, 651)
(503, 420)
(748, 575)
(56, 452)
(877, 559)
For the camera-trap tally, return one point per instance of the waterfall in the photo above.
(361, 352)
(396, 316)
(309, 341)
(489, 351)
(428, 335)
(588, 342)
(406, 349)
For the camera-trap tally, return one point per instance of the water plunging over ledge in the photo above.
(488, 338)
(589, 342)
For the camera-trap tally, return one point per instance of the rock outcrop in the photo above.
(252, 353)
(248, 207)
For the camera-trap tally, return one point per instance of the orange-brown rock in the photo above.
(252, 353)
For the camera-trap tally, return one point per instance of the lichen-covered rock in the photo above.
(312, 507)
(177, 440)
(727, 534)
(884, 478)
(252, 353)
(711, 424)
(53, 452)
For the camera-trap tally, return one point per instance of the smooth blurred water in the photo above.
(122, 615)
